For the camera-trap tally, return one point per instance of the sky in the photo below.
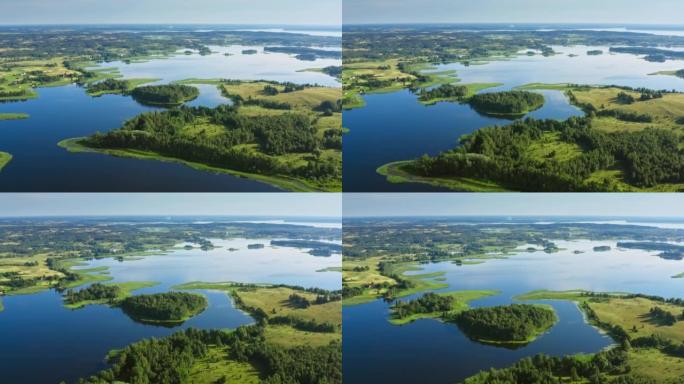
(171, 204)
(514, 11)
(514, 204)
(282, 12)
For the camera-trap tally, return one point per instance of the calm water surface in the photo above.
(42, 342)
(39, 165)
(394, 126)
(431, 351)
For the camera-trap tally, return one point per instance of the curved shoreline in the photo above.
(292, 185)
(394, 174)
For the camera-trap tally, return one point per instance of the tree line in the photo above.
(169, 306)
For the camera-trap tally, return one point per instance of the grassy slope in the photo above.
(395, 173)
(5, 158)
(126, 289)
(460, 304)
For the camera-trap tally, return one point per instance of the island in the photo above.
(595, 52)
(164, 308)
(305, 53)
(510, 104)
(13, 116)
(5, 158)
(513, 324)
(115, 86)
(255, 246)
(602, 248)
(164, 95)
(99, 293)
(249, 51)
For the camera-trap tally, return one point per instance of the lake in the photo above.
(431, 351)
(39, 165)
(395, 126)
(43, 342)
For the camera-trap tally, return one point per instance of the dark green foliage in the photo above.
(304, 53)
(169, 360)
(662, 316)
(648, 157)
(336, 71)
(170, 94)
(298, 301)
(109, 85)
(625, 98)
(170, 306)
(680, 73)
(328, 107)
(510, 323)
(428, 303)
(303, 325)
(543, 369)
(506, 103)
(95, 291)
(444, 91)
(270, 90)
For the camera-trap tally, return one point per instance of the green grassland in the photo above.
(396, 173)
(5, 158)
(13, 116)
(126, 289)
(461, 300)
(215, 367)
(258, 299)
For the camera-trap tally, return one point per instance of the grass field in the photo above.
(215, 367)
(13, 116)
(396, 174)
(461, 300)
(5, 158)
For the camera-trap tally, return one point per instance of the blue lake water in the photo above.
(395, 126)
(435, 352)
(43, 342)
(39, 165)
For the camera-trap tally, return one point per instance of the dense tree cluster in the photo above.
(444, 91)
(510, 323)
(109, 85)
(298, 301)
(506, 103)
(95, 291)
(648, 157)
(164, 132)
(303, 324)
(428, 303)
(662, 316)
(169, 306)
(169, 94)
(169, 360)
(306, 53)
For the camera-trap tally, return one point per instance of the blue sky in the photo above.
(170, 204)
(514, 11)
(514, 204)
(290, 12)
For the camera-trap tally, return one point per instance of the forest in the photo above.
(96, 291)
(505, 324)
(165, 95)
(169, 360)
(428, 303)
(509, 103)
(164, 307)
(647, 157)
(444, 91)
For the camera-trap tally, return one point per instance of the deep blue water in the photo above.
(431, 351)
(395, 126)
(39, 165)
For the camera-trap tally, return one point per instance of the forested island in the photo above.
(164, 308)
(5, 158)
(507, 325)
(307, 54)
(285, 134)
(507, 104)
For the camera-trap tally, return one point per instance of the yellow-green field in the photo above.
(216, 366)
(5, 158)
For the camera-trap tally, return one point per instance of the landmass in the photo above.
(283, 134)
(5, 158)
(13, 116)
(169, 308)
